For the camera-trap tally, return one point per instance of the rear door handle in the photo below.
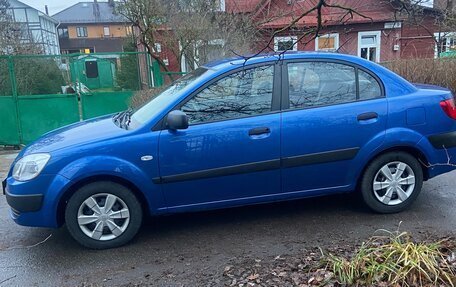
(259, 131)
(367, 116)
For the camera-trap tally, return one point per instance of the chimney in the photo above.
(111, 3)
(46, 9)
(96, 9)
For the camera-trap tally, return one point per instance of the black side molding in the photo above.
(221, 171)
(321, 157)
(442, 141)
(24, 203)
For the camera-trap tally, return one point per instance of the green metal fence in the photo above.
(39, 93)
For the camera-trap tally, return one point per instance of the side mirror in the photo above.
(177, 120)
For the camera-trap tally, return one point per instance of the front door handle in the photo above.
(259, 131)
(367, 116)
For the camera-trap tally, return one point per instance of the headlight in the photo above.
(30, 166)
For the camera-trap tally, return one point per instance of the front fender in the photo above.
(99, 166)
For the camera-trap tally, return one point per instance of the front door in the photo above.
(334, 114)
(230, 154)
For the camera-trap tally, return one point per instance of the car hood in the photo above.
(76, 134)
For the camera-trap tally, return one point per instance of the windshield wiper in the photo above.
(122, 119)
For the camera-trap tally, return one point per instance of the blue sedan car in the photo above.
(239, 132)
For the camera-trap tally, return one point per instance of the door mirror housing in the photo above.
(177, 120)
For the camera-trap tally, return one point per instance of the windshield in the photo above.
(163, 99)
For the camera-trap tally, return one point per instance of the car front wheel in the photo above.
(392, 182)
(103, 215)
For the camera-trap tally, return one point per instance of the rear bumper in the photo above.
(443, 141)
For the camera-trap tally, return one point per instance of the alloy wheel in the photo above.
(394, 183)
(103, 216)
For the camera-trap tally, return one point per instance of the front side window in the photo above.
(241, 94)
(313, 84)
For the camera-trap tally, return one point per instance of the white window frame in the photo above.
(106, 29)
(446, 35)
(285, 39)
(378, 35)
(158, 47)
(327, 36)
(196, 51)
(222, 6)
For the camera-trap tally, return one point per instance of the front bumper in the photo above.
(23, 203)
(31, 208)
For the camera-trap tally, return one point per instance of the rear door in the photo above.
(333, 112)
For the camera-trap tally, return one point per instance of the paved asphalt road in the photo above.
(193, 249)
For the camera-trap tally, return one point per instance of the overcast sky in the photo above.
(58, 5)
(54, 5)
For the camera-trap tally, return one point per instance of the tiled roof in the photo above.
(87, 12)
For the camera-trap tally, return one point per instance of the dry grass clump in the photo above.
(438, 72)
(395, 260)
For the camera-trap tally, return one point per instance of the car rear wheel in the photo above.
(392, 182)
(103, 215)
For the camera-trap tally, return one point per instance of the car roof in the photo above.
(289, 55)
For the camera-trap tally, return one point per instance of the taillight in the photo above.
(449, 108)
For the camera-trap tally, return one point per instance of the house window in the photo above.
(222, 5)
(282, 44)
(128, 30)
(328, 42)
(369, 45)
(158, 48)
(63, 32)
(81, 31)
(202, 52)
(106, 31)
(445, 42)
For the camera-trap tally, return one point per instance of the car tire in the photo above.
(392, 182)
(103, 215)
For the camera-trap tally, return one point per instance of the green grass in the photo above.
(395, 260)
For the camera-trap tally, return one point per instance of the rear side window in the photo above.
(241, 94)
(313, 84)
(368, 86)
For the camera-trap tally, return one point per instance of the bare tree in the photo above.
(440, 20)
(193, 32)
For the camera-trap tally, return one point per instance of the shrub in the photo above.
(438, 72)
(394, 260)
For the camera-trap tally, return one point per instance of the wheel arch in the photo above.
(96, 178)
(414, 151)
